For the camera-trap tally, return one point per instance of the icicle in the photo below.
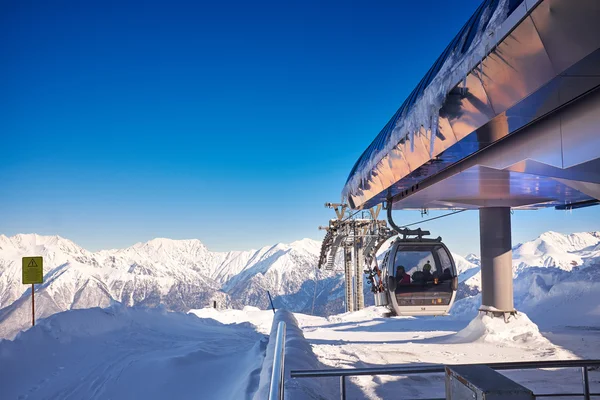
(434, 128)
(455, 68)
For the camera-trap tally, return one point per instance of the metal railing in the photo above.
(277, 375)
(431, 369)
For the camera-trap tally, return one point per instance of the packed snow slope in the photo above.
(131, 353)
(124, 353)
(183, 275)
(364, 339)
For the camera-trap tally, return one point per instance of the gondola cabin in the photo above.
(419, 277)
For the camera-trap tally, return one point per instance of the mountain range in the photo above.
(183, 274)
(177, 274)
(552, 275)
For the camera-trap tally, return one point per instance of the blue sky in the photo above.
(230, 122)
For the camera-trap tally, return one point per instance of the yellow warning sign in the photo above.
(33, 270)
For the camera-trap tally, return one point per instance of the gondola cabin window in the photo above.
(416, 266)
(423, 275)
(445, 263)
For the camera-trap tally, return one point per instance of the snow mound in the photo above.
(519, 330)
(91, 322)
(261, 319)
(366, 313)
(131, 353)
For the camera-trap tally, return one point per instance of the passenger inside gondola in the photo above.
(418, 277)
(427, 276)
(446, 275)
(402, 278)
(426, 270)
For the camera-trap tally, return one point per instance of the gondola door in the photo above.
(425, 278)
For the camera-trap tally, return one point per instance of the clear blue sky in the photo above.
(230, 122)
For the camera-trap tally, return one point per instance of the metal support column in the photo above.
(496, 260)
(359, 298)
(348, 277)
(586, 383)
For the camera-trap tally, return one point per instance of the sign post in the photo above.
(33, 272)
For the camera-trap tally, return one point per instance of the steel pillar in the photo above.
(348, 275)
(496, 260)
(359, 299)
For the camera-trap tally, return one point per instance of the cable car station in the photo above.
(506, 119)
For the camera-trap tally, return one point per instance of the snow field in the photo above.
(367, 339)
(362, 339)
(124, 353)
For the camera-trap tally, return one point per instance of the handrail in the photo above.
(438, 368)
(425, 369)
(277, 375)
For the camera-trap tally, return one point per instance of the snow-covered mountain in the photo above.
(183, 274)
(551, 274)
(179, 274)
(550, 250)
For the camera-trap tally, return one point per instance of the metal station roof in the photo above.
(512, 64)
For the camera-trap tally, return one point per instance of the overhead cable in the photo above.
(431, 219)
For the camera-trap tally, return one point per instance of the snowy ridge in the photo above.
(183, 275)
(565, 252)
(554, 249)
(553, 274)
(179, 274)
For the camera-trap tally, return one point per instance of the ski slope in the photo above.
(124, 353)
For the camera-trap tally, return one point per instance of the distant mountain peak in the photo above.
(472, 257)
(306, 243)
(33, 242)
(170, 243)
